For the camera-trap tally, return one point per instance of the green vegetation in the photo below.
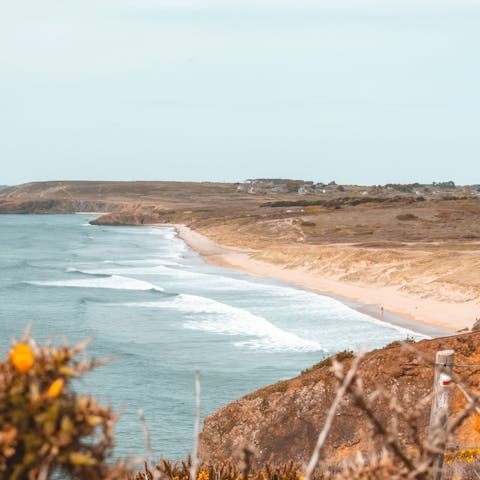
(327, 362)
(343, 201)
(407, 217)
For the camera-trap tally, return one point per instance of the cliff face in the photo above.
(55, 197)
(281, 422)
(135, 215)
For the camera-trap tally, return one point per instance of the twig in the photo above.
(43, 474)
(26, 333)
(246, 464)
(348, 379)
(464, 414)
(194, 467)
(391, 442)
(148, 445)
(466, 395)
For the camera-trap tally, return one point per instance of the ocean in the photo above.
(159, 310)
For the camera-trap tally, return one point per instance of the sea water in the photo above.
(159, 310)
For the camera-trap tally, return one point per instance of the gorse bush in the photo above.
(45, 427)
(226, 471)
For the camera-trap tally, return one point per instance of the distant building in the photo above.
(304, 191)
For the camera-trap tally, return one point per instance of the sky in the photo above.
(355, 91)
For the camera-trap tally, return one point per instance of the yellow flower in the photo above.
(22, 357)
(81, 459)
(203, 475)
(55, 388)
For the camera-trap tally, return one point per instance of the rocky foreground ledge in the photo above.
(282, 421)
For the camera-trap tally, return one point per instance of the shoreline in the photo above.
(240, 260)
(91, 213)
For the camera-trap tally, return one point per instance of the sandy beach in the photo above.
(426, 315)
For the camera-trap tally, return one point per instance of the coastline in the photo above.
(91, 213)
(356, 297)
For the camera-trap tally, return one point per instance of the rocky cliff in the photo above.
(282, 421)
(135, 215)
(56, 197)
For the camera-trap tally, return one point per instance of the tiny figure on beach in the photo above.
(381, 309)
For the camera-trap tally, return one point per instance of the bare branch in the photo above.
(148, 444)
(348, 379)
(193, 470)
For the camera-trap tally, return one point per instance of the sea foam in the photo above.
(142, 261)
(113, 282)
(216, 317)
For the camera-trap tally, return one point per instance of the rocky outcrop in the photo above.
(282, 421)
(135, 215)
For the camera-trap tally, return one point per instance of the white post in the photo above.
(442, 383)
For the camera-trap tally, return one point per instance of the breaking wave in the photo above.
(112, 282)
(215, 317)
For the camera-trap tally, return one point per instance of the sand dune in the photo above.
(434, 285)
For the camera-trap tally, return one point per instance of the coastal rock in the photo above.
(134, 215)
(282, 421)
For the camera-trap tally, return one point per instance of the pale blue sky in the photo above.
(357, 91)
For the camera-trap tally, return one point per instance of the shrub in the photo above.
(407, 217)
(313, 208)
(342, 356)
(45, 427)
(167, 470)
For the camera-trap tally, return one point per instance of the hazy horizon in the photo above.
(236, 181)
(365, 92)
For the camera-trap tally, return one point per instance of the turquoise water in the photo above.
(158, 309)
